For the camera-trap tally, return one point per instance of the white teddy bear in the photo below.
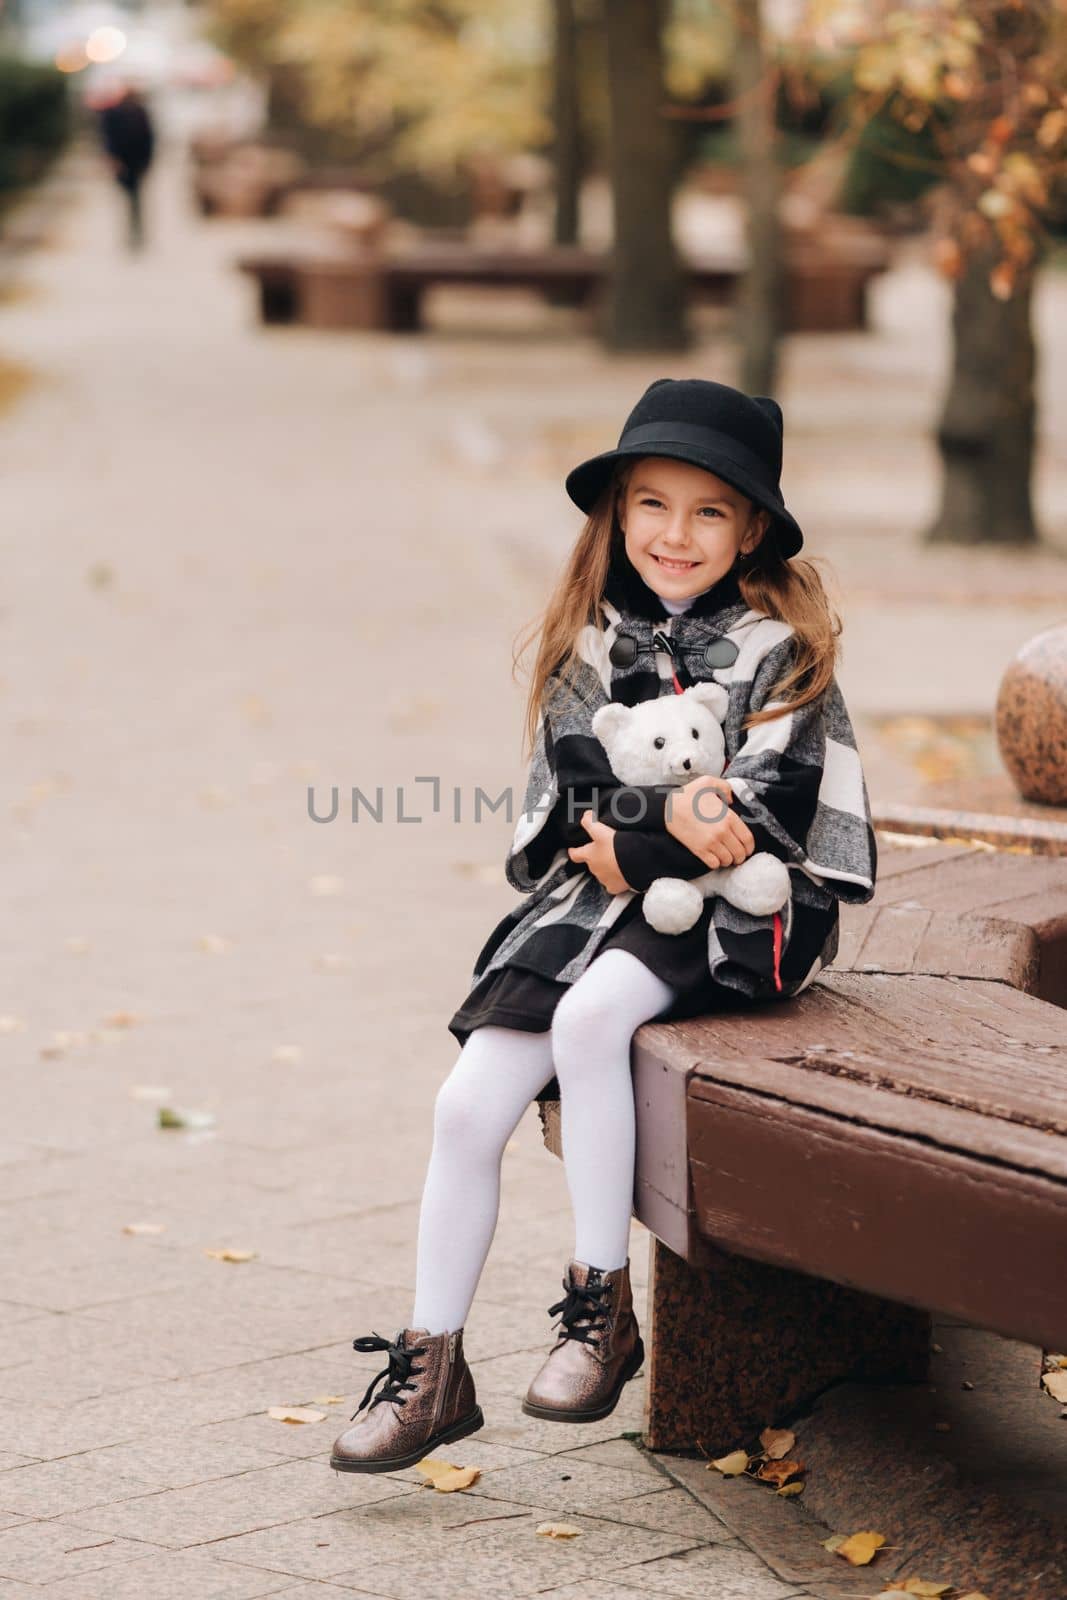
(671, 740)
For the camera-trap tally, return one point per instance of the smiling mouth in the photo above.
(674, 566)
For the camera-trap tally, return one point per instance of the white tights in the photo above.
(479, 1106)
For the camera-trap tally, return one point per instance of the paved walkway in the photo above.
(236, 565)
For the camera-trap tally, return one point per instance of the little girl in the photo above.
(682, 573)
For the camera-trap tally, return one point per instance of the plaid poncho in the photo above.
(797, 779)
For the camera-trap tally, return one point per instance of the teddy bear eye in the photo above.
(658, 742)
(694, 733)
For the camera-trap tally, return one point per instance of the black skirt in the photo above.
(515, 997)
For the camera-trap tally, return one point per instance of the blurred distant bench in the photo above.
(826, 289)
(819, 1174)
(233, 178)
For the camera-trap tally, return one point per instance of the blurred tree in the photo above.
(645, 307)
(566, 104)
(761, 302)
(424, 86)
(988, 81)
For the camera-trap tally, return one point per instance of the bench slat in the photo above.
(909, 1037)
(872, 1210)
(946, 1124)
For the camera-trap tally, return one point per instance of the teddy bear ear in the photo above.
(714, 696)
(608, 720)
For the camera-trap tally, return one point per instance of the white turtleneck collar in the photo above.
(676, 607)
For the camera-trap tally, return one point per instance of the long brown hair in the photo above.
(786, 588)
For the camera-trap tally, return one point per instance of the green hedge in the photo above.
(34, 120)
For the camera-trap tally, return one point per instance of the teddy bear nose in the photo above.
(687, 763)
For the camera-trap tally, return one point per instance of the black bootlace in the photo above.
(397, 1373)
(581, 1303)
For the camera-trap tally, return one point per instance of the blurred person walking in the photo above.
(128, 137)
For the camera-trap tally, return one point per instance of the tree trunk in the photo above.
(645, 305)
(566, 152)
(986, 433)
(761, 299)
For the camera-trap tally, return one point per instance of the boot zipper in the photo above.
(452, 1341)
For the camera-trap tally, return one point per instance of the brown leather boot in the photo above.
(399, 1429)
(598, 1350)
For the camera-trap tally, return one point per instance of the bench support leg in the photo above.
(737, 1345)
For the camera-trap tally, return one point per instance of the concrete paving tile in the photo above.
(46, 1432)
(404, 1526)
(258, 1317)
(49, 1432)
(675, 1511)
(726, 1571)
(178, 1518)
(59, 1488)
(611, 1589)
(12, 1314)
(91, 1379)
(507, 1423)
(311, 1591)
(262, 1432)
(320, 1547)
(170, 1575)
(617, 1453)
(59, 1337)
(81, 1283)
(177, 1460)
(563, 1484)
(514, 1561)
(44, 1552)
(510, 1372)
(472, 1452)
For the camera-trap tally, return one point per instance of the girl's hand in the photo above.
(599, 856)
(695, 816)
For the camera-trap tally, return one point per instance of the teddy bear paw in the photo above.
(672, 905)
(760, 885)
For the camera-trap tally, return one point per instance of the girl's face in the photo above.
(684, 527)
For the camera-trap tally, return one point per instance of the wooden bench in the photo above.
(819, 1176)
(385, 291)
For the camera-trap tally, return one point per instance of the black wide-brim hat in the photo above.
(734, 435)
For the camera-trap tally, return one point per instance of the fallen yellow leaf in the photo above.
(730, 1466)
(121, 1019)
(796, 1487)
(1056, 1384)
(558, 1530)
(139, 1228)
(777, 1442)
(295, 1413)
(447, 1475)
(779, 1471)
(860, 1548)
(232, 1255)
(459, 1478)
(326, 1399)
(922, 1586)
(174, 1117)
